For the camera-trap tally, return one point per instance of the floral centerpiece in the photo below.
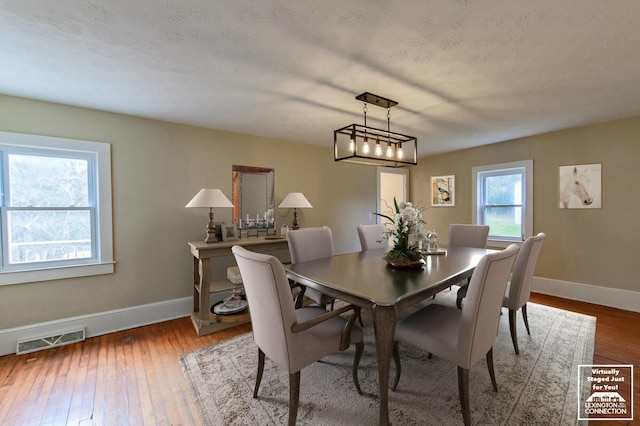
(406, 221)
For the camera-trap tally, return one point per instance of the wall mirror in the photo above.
(254, 200)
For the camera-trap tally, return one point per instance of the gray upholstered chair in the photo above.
(291, 338)
(311, 244)
(465, 235)
(519, 287)
(462, 336)
(369, 236)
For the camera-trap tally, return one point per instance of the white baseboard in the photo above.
(99, 323)
(612, 297)
(137, 316)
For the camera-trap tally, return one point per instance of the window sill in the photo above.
(36, 275)
(491, 243)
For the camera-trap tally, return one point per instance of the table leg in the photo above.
(384, 324)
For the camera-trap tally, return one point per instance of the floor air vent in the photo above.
(40, 343)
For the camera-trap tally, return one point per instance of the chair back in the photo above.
(481, 310)
(369, 236)
(310, 244)
(520, 286)
(270, 302)
(464, 235)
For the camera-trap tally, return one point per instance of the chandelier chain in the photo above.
(364, 109)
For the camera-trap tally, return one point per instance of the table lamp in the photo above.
(210, 198)
(295, 200)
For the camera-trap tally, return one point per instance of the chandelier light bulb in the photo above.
(365, 147)
(378, 149)
(389, 150)
(400, 153)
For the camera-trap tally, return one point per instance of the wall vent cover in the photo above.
(40, 343)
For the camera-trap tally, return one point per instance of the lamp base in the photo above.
(211, 229)
(296, 224)
(211, 237)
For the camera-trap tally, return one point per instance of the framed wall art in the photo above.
(443, 191)
(580, 186)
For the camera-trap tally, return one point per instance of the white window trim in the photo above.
(104, 214)
(528, 207)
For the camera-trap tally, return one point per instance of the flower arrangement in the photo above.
(407, 220)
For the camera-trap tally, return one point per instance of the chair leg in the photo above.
(492, 373)
(260, 371)
(463, 391)
(396, 358)
(524, 317)
(294, 397)
(512, 328)
(356, 364)
(459, 302)
(462, 293)
(300, 298)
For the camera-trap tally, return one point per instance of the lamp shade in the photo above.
(295, 200)
(209, 198)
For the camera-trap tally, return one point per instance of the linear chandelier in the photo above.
(374, 147)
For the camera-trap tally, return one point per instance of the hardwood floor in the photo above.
(133, 377)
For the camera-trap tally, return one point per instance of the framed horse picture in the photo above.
(443, 191)
(580, 186)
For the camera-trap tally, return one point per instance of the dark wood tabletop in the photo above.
(364, 279)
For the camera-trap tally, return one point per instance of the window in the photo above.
(503, 195)
(55, 208)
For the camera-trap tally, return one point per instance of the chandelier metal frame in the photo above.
(361, 144)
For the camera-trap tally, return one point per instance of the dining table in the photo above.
(365, 279)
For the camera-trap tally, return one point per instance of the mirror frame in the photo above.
(237, 171)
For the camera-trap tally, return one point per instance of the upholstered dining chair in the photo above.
(462, 336)
(519, 285)
(369, 236)
(467, 235)
(311, 244)
(291, 338)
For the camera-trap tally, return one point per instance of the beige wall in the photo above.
(597, 247)
(156, 168)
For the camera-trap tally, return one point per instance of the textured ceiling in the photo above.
(465, 73)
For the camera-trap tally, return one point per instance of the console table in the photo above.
(202, 271)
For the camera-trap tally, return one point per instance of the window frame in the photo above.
(99, 178)
(527, 203)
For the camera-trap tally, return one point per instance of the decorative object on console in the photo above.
(232, 304)
(210, 198)
(233, 275)
(295, 201)
(353, 143)
(229, 233)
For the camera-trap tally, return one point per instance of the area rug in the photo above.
(537, 387)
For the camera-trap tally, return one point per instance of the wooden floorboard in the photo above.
(133, 377)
